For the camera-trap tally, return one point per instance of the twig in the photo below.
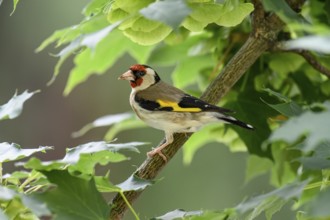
(264, 34)
(307, 55)
(310, 58)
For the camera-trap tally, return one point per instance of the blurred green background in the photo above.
(214, 180)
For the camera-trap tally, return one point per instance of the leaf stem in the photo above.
(129, 205)
(317, 185)
(27, 181)
(33, 189)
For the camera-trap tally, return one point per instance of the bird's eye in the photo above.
(140, 73)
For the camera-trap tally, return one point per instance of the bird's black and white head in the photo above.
(140, 76)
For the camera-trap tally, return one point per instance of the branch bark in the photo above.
(313, 62)
(265, 28)
(310, 58)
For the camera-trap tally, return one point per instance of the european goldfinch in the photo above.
(167, 108)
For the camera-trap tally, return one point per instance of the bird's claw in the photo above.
(157, 151)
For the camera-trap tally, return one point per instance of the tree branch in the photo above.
(310, 58)
(265, 30)
(313, 62)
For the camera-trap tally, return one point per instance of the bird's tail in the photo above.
(234, 121)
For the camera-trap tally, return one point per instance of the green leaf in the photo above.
(309, 88)
(148, 38)
(289, 108)
(315, 43)
(15, 2)
(325, 88)
(327, 7)
(117, 14)
(283, 10)
(169, 54)
(301, 215)
(69, 34)
(170, 12)
(178, 213)
(38, 208)
(13, 108)
(16, 210)
(89, 40)
(139, 52)
(11, 152)
(139, 23)
(232, 16)
(107, 120)
(247, 105)
(244, 99)
(37, 164)
(177, 37)
(264, 202)
(104, 185)
(269, 205)
(284, 169)
(92, 39)
(128, 124)
(257, 166)
(106, 52)
(15, 177)
(206, 12)
(319, 160)
(285, 63)
(126, 9)
(312, 124)
(193, 25)
(186, 71)
(131, 6)
(215, 215)
(279, 96)
(73, 198)
(73, 154)
(198, 140)
(90, 62)
(85, 166)
(57, 35)
(319, 206)
(95, 7)
(83, 158)
(202, 14)
(208, 134)
(134, 183)
(273, 208)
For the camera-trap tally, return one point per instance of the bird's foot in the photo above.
(157, 151)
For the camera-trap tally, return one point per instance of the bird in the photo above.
(165, 107)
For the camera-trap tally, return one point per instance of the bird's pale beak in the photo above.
(127, 76)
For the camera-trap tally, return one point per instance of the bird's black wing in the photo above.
(187, 103)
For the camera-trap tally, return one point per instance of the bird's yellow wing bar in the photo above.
(173, 106)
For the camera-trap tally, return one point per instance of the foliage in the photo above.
(14, 107)
(68, 187)
(282, 95)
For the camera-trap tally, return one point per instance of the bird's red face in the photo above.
(140, 76)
